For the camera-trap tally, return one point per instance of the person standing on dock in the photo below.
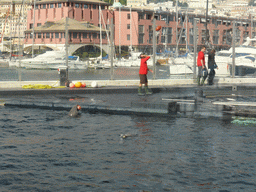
(201, 66)
(143, 74)
(211, 65)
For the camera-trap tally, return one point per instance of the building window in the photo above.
(74, 35)
(141, 16)
(128, 26)
(52, 36)
(39, 24)
(85, 6)
(36, 6)
(43, 35)
(162, 39)
(76, 5)
(128, 16)
(141, 28)
(104, 35)
(43, 6)
(59, 5)
(57, 35)
(85, 35)
(94, 7)
(51, 5)
(31, 26)
(47, 35)
(128, 37)
(94, 35)
(149, 17)
(141, 38)
(102, 7)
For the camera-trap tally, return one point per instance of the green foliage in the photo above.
(123, 2)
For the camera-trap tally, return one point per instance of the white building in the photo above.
(200, 4)
(13, 19)
(136, 3)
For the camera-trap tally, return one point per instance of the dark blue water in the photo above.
(44, 150)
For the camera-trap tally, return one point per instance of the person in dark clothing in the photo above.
(74, 112)
(211, 65)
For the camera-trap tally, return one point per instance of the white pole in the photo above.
(195, 47)
(233, 49)
(131, 27)
(154, 48)
(33, 36)
(186, 32)
(119, 32)
(100, 34)
(66, 43)
(176, 52)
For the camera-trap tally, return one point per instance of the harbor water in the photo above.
(44, 150)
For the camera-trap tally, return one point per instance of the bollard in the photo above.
(63, 75)
(234, 88)
(199, 94)
(172, 108)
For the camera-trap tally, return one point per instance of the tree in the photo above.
(123, 2)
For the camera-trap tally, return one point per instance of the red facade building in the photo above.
(132, 27)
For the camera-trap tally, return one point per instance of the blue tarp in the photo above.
(106, 57)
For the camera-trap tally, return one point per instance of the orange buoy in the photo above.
(78, 107)
(78, 84)
(83, 84)
(158, 28)
(71, 85)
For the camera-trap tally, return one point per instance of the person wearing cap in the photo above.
(211, 65)
(143, 74)
(74, 112)
(201, 66)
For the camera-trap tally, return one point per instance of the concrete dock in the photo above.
(170, 97)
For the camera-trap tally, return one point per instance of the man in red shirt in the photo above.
(143, 74)
(201, 66)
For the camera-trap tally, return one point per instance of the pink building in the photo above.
(133, 27)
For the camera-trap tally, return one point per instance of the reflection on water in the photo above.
(44, 150)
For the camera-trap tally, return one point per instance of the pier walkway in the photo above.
(170, 97)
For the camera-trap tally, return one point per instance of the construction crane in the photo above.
(7, 15)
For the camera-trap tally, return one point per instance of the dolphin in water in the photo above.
(74, 112)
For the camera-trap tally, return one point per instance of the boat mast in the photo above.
(206, 33)
(131, 28)
(11, 33)
(100, 35)
(33, 35)
(176, 52)
(66, 44)
(119, 32)
(186, 31)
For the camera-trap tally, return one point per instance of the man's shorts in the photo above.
(143, 79)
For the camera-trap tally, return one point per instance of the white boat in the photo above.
(53, 60)
(244, 65)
